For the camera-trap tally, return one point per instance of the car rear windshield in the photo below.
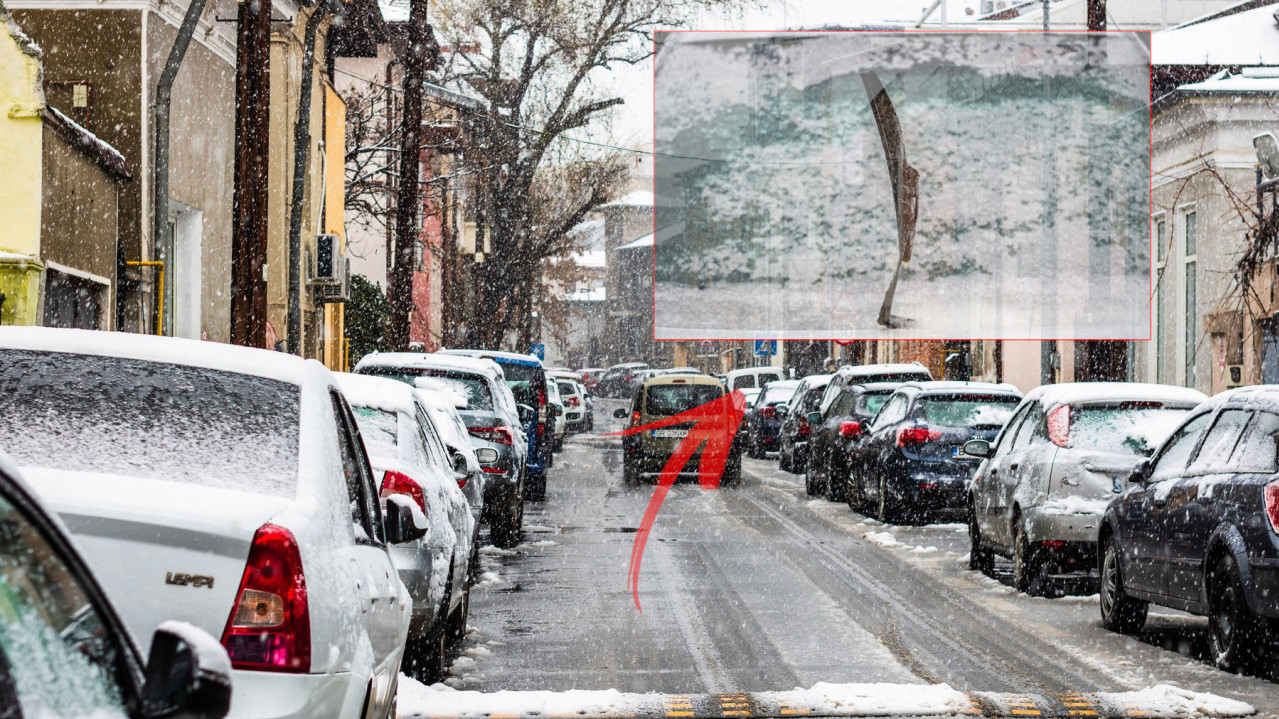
(664, 400)
(967, 410)
(1126, 427)
(379, 429)
(566, 388)
(150, 419)
(777, 395)
(473, 387)
(524, 380)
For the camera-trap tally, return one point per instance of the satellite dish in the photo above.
(1267, 154)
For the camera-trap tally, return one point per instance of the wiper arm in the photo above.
(905, 181)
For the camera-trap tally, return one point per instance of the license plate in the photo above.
(670, 433)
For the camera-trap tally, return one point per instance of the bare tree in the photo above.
(372, 140)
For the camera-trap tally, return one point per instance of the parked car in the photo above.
(574, 398)
(588, 407)
(792, 443)
(751, 377)
(1196, 528)
(619, 380)
(527, 381)
(409, 459)
(836, 434)
(65, 651)
(872, 373)
(1039, 496)
(674, 370)
(591, 376)
(442, 402)
(555, 404)
(751, 395)
(764, 420)
(911, 461)
(494, 421)
(206, 481)
(645, 454)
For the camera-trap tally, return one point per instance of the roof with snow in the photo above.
(594, 258)
(1249, 37)
(376, 392)
(394, 10)
(424, 360)
(645, 241)
(100, 151)
(639, 198)
(1250, 80)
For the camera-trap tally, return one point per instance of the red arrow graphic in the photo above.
(715, 425)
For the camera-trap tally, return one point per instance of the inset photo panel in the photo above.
(901, 185)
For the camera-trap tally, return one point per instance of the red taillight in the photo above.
(493, 470)
(1272, 505)
(1059, 426)
(768, 413)
(848, 430)
(573, 402)
(461, 483)
(399, 483)
(500, 435)
(270, 625)
(635, 419)
(803, 427)
(1052, 544)
(907, 436)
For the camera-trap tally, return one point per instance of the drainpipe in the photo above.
(163, 99)
(301, 154)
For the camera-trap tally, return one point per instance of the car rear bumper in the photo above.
(272, 695)
(922, 489)
(1075, 528)
(1265, 586)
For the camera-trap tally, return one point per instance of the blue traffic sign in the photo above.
(765, 347)
(538, 351)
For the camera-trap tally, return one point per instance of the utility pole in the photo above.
(252, 148)
(1096, 15)
(407, 201)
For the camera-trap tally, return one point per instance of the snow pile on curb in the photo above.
(883, 539)
(416, 698)
(876, 699)
(1166, 700)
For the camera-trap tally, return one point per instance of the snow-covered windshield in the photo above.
(470, 386)
(138, 418)
(967, 410)
(1129, 428)
(379, 429)
(664, 400)
(774, 395)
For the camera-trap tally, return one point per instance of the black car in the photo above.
(911, 462)
(764, 420)
(1196, 528)
(619, 381)
(792, 443)
(836, 434)
(63, 649)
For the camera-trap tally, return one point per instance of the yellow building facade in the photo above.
(21, 134)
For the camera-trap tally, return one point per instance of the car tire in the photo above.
(504, 530)
(732, 476)
(980, 559)
(455, 629)
(1119, 612)
(1028, 564)
(426, 657)
(783, 463)
(887, 511)
(752, 448)
(836, 489)
(630, 474)
(1237, 638)
(810, 482)
(535, 491)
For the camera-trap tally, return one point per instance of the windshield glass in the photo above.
(1130, 428)
(474, 388)
(664, 400)
(868, 404)
(967, 410)
(149, 419)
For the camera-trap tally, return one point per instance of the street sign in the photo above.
(538, 351)
(765, 347)
(706, 348)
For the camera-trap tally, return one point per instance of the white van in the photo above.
(752, 377)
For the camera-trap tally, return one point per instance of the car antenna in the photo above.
(905, 181)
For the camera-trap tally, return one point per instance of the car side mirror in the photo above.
(526, 413)
(403, 520)
(848, 430)
(486, 455)
(977, 448)
(1140, 472)
(619, 413)
(459, 465)
(782, 410)
(188, 675)
(814, 417)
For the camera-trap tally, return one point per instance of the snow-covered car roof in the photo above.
(862, 370)
(815, 381)
(954, 386)
(376, 392)
(1051, 395)
(461, 363)
(1253, 396)
(172, 350)
(494, 354)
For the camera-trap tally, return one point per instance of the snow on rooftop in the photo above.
(424, 359)
(394, 10)
(1247, 38)
(639, 198)
(376, 392)
(594, 258)
(1068, 392)
(1251, 80)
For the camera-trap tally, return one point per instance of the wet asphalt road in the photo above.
(759, 588)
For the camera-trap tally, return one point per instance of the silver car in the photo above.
(1046, 480)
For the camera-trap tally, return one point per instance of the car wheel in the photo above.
(630, 474)
(455, 630)
(810, 482)
(888, 511)
(732, 475)
(536, 489)
(1237, 638)
(980, 559)
(836, 486)
(550, 458)
(783, 463)
(505, 529)
(1028, 564)
(426, 656)
(1119, 612)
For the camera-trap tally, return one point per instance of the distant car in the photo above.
(764, 420)
(674, 370)
(591, 376)
(836, 434)
(443, 403)
(409, 459)
(751, 395)
(792, 443)
(751, 377)
(1039, 495)
(644, 455)
(493, 419)
(911, 462)
(1196, 528)
(588, 407)
(574, 398)
(555, 404)
(527, 381)
(619, 380)
(871, 373)
(223, 486)
(63, 648)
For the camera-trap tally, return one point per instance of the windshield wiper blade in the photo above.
(905, 180)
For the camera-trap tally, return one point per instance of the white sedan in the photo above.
(226, 487)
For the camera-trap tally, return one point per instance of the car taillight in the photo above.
(803, 427)
(500, 435)
(270, 625)
(768, 412)
(573, 402)
(907, 436)
(461, 483)
(848, 430)
(635, 419)
(1272, 505)
(399, 483)
(1059, 426)
(493, 470)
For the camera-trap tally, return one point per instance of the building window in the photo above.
(1192, 314)
(1161, 301)
(1161, 241)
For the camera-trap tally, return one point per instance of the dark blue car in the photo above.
(764, 420)
(527, 380)
(911, 460)
(1196, 528)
